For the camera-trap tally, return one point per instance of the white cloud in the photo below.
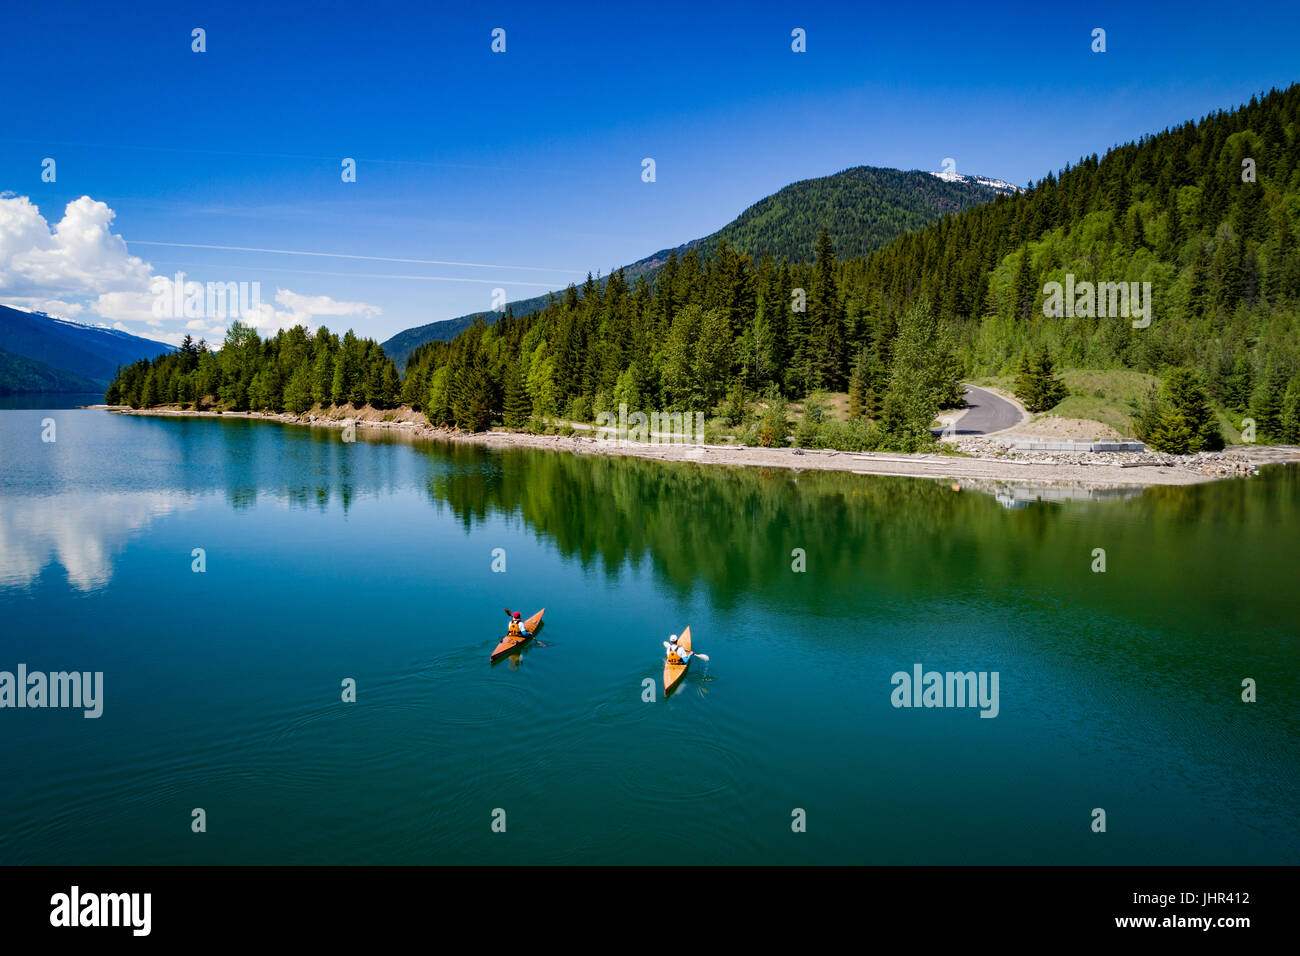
(47, 268)
(126, 306)
(48, 306)
(303, 310)
(324, 305)
(79, 256)
(200, 311)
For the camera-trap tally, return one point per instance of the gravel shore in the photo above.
(982, 459)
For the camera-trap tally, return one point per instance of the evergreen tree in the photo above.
(949, 391)
(1038, 386)
(517, 408)
(1026, 386)
(297, 394)
(859, 385)
(1289, 419)
(390, 388)
(1184, 420)
(1172, 434)
(825, 320)
(774, 423)
(1224, 267)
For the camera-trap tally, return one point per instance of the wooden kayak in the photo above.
(509, 643)
(673, 673)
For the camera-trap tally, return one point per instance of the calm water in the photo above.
(373, 561)
(63, 400)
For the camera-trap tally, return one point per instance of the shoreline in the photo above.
(1093, 471)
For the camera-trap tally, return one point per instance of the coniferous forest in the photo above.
(1208, 213)
(291, 372)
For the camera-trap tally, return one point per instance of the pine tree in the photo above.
(149, 393)
(339, 383)
(1024, 287)
(390, 387)
(774, 424)
(1266, 399)
(1026, 386)
(1172, 434)
(1051, 388)
(1237, 387)
(911, 403)
(1038, 386)
(737, 407)
(517, 407)
(949, 391)
(858, 385)
(1289, 417)
(1185, 421)
(297, 394)
(825, 320)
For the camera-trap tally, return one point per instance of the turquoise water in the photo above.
(373, 561)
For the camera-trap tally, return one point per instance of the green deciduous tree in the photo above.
(915, 378)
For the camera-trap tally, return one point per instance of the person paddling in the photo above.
(517, 628)
(676, 653)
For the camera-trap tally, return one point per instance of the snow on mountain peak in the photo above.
(1000, 185)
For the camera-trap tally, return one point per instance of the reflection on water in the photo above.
(1019, 494)
(373, 561)
(891, 540)
(79, 533)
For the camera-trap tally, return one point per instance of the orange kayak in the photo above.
(509, 643)
(673, 673)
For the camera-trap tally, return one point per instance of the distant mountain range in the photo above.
(42, 353)
(863, 208)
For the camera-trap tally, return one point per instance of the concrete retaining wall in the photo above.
(1079, 446)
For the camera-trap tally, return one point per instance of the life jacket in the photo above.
(514, 628)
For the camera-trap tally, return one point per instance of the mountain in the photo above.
(79, 353)
(1176, 255)
(998, 184)
(863, 208)
(19, 375)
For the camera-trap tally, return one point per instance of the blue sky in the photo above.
(525, 167)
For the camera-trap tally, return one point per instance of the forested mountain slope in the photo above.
(1204, 216)
(1206, 213)
(862, 208)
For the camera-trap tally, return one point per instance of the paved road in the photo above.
(986, 413)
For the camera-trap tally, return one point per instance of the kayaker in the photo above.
(676, 653)
(517, 628)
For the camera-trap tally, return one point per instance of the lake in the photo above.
(373, 561)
